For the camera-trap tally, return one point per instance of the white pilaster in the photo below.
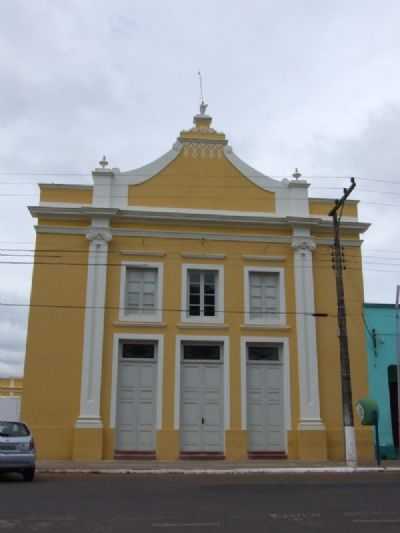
(103, 180)
(304, 245)
(99, 235)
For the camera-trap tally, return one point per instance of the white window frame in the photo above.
(278, 319)
(125, 316)
(219, 295)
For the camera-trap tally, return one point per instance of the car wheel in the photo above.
(28, 474)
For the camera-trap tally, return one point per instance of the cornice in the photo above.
(194, 216)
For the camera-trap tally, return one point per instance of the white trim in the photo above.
(264, 257)
(279, 319)
(272, 327)
(200, 216)
(129, 324)
(92, 350)
(142, 253)
(220, 292)
(141, 317)
(310, 417)
(178, 359)
(117, 338)
(253, 175)
(201, 325)
(284, 342)
(144, 173)
(194, 255)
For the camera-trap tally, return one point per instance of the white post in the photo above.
(303, 244)
(99, 235)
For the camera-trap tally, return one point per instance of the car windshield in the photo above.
(13, 429)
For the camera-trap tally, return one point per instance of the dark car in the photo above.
(17, 449)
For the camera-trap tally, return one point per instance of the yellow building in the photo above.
(173, 313)
(10, 386)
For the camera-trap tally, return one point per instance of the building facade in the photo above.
(380, 332)
(174, 311)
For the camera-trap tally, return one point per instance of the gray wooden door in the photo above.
(265, 412)
(202, 418)
(136, 407)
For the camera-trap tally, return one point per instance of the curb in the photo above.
(210, 471)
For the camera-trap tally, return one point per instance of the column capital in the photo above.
(303, 244)
(99, 234)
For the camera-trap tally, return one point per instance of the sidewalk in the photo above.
(207, 467)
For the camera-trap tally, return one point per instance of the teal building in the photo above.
(380, 331)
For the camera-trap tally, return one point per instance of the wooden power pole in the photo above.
(347, 399)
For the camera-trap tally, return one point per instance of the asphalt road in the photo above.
(235, 503)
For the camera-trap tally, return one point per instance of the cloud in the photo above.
(13, 323)
(291, 83)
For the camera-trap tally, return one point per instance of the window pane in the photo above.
(264, 294)
(202, 292)
(194, 276)
(138, 351)
(141, 289)
(194, 299)
(209, 277)
(263, 352)
(194, 310)
(210, 352)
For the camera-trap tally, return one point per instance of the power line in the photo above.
(166, 309)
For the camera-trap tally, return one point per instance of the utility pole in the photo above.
(347, 399)
(398, 362)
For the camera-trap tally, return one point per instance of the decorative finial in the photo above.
(203, 106)
(103, 163)
(296, 174)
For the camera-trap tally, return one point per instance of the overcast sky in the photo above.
(297, 83)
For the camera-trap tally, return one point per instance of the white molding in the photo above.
(194, 255)
(198, 216)
(178, 360)
(120, 232)
(157, 316)
(117, 338)
(144, 173)
(284, 342)
(280, 319)
(92, 356)
(264, 257)
(220, 295)
(303, 245)
(130, 324)
(142, 253)
(201, 325)
(270, 327)
(258, 178)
